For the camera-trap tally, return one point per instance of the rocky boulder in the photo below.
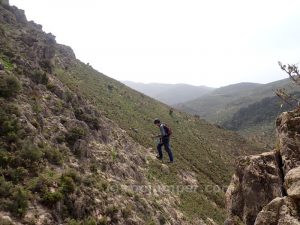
(280, 211)
(255, 183)
(265, 189)
(288, 130)
(292, 183)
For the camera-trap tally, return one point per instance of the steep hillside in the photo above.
(76, 146)
(202, 151)
(170, 94)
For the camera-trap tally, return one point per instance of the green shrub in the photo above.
(114, 154)
(12, 137)
(53, 155)
(93, 167)
(18, 70)
(9, 123)
(5, 188)
(42, 183)
(89, 221)
(31, 152)
(75, 134)
(103, 167)
(162, 220)
(68, 96)
(89, 181)
(51, 87)
(73, 174)
(36, 107)
(5, 158)
(60, 139)
(103, 221)
(126, 212)
(110, 87)
(11, 109)
(104, 185)
(46, 64)
(59, 107)
(10, 127)
(67, 184)
(17, 174)
(111, 210)
(73, 222)
(19, 202)
(50, 198)
(63, 120)
(91, 120)
(39, 77)
(35, 186)
(9, 86)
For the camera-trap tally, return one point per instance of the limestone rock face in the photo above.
(265, 189)
(280, 211)
(256, 182)
(292, 183)
(288, 129)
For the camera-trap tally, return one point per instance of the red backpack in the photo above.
(168, 130)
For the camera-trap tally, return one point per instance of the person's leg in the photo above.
(160, 154)
(168, 149)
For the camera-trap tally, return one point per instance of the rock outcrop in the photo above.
(265, 189)
(281, 211)
(292, 183)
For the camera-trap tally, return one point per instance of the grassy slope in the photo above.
(199, 147)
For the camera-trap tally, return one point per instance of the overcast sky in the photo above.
(200, 42)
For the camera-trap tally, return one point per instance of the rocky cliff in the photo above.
(265, 189)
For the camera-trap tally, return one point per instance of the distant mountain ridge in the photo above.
(235, 88)
(170, 94)
(220, 104)
(248, 108)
